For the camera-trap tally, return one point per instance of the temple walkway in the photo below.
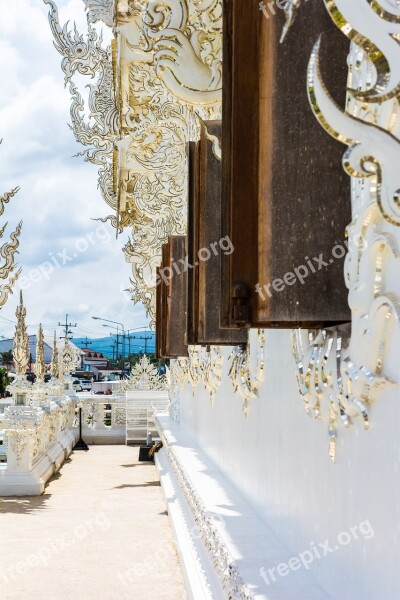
(99, 532)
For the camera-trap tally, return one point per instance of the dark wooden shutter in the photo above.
(207, 243)
(286, 198)
(159, 318)
(192, 245)
(172, 300)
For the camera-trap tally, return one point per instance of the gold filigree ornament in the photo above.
(373, 152)
(341, 371)
(167, 53)
(162, 70)
(55, 363)
(186, 38)
(247, 379)
(291, 7)
(55, 386)
(8, 269)
(21, 340)
(213, 361)
(39, 389)
(203, 366)
(330, 385)
(101, 10)
(144, 376)
(374, 27)
(95, 124)
(69, 359)
(20, 385)
(179, 371)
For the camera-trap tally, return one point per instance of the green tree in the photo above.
(7, 357)
(4, 381)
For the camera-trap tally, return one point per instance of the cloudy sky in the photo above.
(59, 196)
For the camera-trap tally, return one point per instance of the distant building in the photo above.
(93, 359)
(7, 345)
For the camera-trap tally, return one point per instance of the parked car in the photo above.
(86, 385)
(77, 385)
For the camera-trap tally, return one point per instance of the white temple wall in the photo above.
(277, 457)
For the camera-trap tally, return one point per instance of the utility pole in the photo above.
(86, 342)
(141, 337)
(129, 344)
(118, 343)
(66, 326)
(84, 345)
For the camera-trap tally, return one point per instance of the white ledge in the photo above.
(231, 532)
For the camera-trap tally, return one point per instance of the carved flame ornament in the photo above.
(203, 366)
(341, 372)
(144, 376)
(8, 269)
(291, 7)
(169, 73)
(162, 71)
(69, 359)
(21, 341)
(100, 10)
(247, 379)
(55, 387)
(40, 367)
(39, 390)
(55, 363)
(20, 385)
(95, 125)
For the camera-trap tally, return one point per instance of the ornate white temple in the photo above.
(252, 150)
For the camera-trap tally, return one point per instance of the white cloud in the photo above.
(59, 195)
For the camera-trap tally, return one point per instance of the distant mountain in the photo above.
(134, 345)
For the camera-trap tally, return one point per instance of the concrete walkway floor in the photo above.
(99, 532)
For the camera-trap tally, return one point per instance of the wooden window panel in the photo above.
(285, 194)
(172, 301)
(204, 238)
(192, 244)
(159, 318)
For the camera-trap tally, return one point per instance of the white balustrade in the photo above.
(121, 418)
(36, 441)
(104, 418)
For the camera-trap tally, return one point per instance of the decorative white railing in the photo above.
(141, 406)
(120, 418)
(103, 418)
(35, 442)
